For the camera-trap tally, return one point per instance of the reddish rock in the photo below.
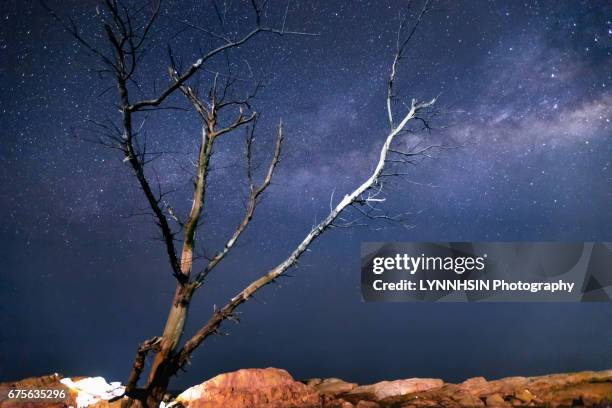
(384, 389)
(274, 388)
(496, 401)
(475, 385)
(333, 386)
(46, 382)
(449, 396)
(262, 388)
(557, 390)
(72, 393)
(367, 404)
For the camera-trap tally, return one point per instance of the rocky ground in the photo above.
(275, 388)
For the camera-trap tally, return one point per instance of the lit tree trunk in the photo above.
(163, 367)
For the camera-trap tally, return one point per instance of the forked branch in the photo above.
(254, 194)
(209, 112)
(227, 312)
(195, 67)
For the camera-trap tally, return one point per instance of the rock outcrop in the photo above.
(272, 388)
(275, 388)
(60, 392)
(331, 386)
(385, 389)
(47, 382)
(265, 388)
(584, 389)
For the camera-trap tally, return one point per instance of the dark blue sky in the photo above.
(527, 87)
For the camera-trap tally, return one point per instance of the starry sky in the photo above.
(524, 87)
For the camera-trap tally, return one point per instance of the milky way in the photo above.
(525, 90)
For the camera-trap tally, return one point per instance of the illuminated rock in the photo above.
(76, 392)
(584, 389)
(386, 389)
(261, 388)
(274, 388)
(93, 390)
(333, 386)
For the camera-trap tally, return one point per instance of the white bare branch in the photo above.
(227, 311)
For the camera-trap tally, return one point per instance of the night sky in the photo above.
(525, 87)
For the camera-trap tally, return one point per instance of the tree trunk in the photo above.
(163, 366)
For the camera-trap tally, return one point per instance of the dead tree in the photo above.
(126, 30)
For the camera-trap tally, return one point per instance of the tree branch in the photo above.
(227, 312)
(139, 363)
(193, 68)
(254, 194)
(399, 54)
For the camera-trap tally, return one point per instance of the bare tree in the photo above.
(126, 31)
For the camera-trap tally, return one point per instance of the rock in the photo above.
(496, 401)
(556, 390)
(448, 396)
(46, 382)
(246, 388)
(332, 402)
(516, 402)
(367, 404)
(475, 385)
(504, 386)
(385, 389)
(274, 388)
(587, 393)
(333, 386)
(91, 392)
(524, 395)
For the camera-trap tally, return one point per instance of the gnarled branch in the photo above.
(139, 362)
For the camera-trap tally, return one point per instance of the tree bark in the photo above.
(164, 364)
